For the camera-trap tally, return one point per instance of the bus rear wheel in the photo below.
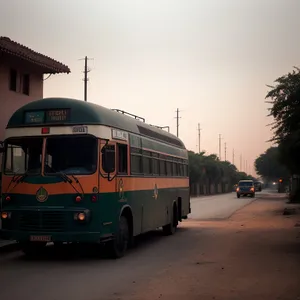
(119, 245)
(170, 229)
(32, 248)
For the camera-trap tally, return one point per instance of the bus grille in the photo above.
(53, 221)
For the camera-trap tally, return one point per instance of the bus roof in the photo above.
(87, 113)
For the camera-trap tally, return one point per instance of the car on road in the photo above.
(245, 188)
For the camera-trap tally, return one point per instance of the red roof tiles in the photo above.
(49, 65)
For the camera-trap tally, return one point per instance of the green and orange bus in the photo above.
(77, 172)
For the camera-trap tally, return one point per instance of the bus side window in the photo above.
(122, 159)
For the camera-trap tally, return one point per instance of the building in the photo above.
(21, 77)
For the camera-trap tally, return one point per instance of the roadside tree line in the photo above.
(209, 175)
(284, 97)
(269, 166)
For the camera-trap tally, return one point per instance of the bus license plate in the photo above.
(40, 238)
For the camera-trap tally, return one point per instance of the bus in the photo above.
(77, 172)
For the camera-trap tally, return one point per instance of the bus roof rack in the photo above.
(161, 127)
(129, 114)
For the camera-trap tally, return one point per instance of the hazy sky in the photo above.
(211, 59)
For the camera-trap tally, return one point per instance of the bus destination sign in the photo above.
(47, 116)
(57, 115)
(34, 117)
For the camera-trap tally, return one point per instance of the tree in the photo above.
(268, 165)
(285, 100)
(208, 169)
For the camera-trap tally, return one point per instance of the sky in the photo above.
(211, 59)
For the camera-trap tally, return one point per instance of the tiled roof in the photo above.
(49, 65)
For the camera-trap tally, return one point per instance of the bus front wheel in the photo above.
(119, 245)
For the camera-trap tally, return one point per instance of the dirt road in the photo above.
(255, 254)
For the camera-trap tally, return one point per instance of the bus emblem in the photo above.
(41, 195)
(121, 189)
(155, 192)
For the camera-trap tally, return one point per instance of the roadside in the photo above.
(253, 255)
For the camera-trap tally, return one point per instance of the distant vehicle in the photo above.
(258, 186)
(245, 188)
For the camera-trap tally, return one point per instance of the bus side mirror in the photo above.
(1, 147)
(108, 158)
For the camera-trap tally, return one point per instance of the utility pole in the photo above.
(199, 138)
(177, 121)
(219, 146)
(85, 79)
(225, 148)
(233, 156)
(241, 163)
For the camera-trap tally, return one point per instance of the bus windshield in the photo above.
(23, 155)
(71, 155)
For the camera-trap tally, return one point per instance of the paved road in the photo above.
(219, 206)
(85, 277)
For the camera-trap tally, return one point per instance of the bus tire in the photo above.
(32, 248)
(170, 229)
(118, 246)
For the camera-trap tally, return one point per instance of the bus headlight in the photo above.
(5, 215)
(83, 216)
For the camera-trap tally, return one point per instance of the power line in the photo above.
(225, 149)
(86, 79)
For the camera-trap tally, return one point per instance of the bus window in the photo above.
(155, 164)
(122, 159)
(71, 155)
(24, 155)
(175, 169)
(136, 160)
(147, 168)
(162, 167)
(169, 168)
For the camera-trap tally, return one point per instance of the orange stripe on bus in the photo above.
(88, 183)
